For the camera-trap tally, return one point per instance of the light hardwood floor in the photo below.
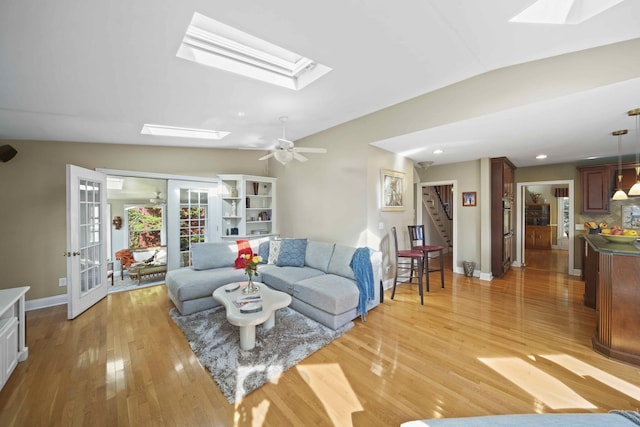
(520, 344)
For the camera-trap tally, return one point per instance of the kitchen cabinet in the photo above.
(537, 237)
(616, 299)
(590, 274)
(596, 188)
(536, 214)
(248, 206)
(502, 214)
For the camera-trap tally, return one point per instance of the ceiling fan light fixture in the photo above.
(283, 156)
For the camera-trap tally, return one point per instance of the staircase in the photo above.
(438, 205)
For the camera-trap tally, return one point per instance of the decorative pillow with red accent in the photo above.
(244, 248)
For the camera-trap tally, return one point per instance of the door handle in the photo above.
(76, 253)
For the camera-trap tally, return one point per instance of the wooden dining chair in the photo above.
(407, 260)
(430, 252)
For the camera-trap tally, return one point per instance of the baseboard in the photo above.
(36, 304)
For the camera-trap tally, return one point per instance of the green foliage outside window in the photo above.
(145, 227)
(192, 226)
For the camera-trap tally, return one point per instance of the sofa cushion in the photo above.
(292, 253)
(328, 292)
(340, 261)
(318, 255)
(161, 255)
(144, 255)
(205, 256)
(187, 283)
(283, 278)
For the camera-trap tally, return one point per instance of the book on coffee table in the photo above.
(247, 300)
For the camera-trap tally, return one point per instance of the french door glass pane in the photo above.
(89, 230)
(193, 221)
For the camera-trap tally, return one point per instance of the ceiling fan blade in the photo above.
(310, 150)
(266, 157)
(299, 157)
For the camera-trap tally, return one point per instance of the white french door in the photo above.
(87, 225)
(191, 218)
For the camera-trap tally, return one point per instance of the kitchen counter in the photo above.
(613, 269)
(602, 245)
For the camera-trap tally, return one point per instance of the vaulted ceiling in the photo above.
(97, 71)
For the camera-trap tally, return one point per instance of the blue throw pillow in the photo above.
(263, 251)
(292, 252)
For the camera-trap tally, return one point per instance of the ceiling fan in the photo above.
(157, 200)
(285, 150)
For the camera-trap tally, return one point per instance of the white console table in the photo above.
(12, 331)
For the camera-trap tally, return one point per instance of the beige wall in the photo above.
(335, 197)
(33, 198)
(469, 232)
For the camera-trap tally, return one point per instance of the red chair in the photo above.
(407, 260)
(126, 259)
(416, 236)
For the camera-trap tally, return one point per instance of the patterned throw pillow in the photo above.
(292, 252)
(274, 251)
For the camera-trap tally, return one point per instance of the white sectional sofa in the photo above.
(317, 275)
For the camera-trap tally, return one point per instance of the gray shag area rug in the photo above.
(238, 372)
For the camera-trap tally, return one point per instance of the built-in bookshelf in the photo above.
(248, 206)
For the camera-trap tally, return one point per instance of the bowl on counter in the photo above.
(617, 238)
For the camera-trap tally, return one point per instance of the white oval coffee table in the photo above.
(271, 301)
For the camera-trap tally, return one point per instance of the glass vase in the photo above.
(251, 287)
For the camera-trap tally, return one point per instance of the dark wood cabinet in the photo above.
(596, 188)
(537, 237)
(590, 275)
(502, 214)
(537, 214)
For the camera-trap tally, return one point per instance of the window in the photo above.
(145, 226)
(193, 220)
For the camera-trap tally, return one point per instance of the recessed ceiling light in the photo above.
(541, 156)
(563, 11)
(438, 151)
(160, 130)
(212, 43)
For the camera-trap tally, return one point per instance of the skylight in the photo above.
(563, 11)
(115, 183)
(160, 130)
(212, 43)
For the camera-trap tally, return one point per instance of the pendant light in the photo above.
(635, 190)
(619, 194)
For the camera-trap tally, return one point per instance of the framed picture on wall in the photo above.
(469, 198)
(392, 190)
(631, 216)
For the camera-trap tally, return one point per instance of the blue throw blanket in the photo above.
(363, 270)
